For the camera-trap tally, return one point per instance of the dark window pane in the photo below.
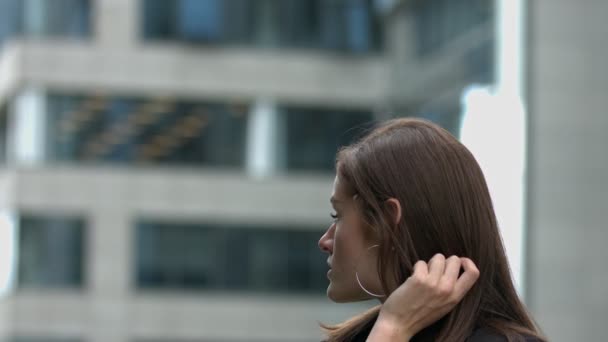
(200, 20)
(51, 251)
(177, 256)
(204, 21)
(158, 18)
(267, 260)
(306, 267)
(340, 25)
(315, 135)
(299, 22)
(11, 19)
(336, 25)
(67, 18)
(214, 257)
(59, 18)
(239, 20)
(149, 131)
(358, 26)
(479, 63)
(438, 22)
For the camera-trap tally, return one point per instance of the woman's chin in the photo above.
(335, 298)
(334, 294)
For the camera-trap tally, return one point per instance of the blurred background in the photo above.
(166, 165)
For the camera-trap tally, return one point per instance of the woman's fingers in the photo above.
(467, 279)
(436, 268)
(421, 270)
(452, 268)
(420, 300)
(441, 276)
(444, 288)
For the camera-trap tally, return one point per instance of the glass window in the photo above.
(200, 20)
(51, 252)
(67, 18)
(479, 63)
(341, 25)
(11, 19)
(225, 257)
(438, 22)
(203, 21)
(299, 22)
(57, 18)
(165, 131)
(314, 135)
(454, 44)
(349, 25)
(158, 19)
(148, 131)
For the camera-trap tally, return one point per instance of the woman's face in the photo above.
(349, 244)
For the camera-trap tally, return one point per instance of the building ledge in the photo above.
(301, 77)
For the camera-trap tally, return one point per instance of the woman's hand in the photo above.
(427, 295)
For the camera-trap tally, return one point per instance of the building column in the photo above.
(567, 81)
(28, 128)
(263, 140)
(109, 273)
(116, 22)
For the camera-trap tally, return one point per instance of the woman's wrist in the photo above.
(388, 328)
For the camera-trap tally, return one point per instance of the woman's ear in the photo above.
(394, 210)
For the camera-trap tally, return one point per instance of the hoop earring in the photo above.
(361, 285)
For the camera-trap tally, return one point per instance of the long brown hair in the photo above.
(446, 208)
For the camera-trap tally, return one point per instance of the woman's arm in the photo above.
(388, 329)
(430, 293)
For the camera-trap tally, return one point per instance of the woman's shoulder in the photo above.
(486, 335)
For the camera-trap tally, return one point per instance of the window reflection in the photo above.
(51, 251)
(439, 22)
(148, 131)
(342, 25)
(57, 18)
(314, 135)
(223, 257)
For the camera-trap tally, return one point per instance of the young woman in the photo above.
(405, 194)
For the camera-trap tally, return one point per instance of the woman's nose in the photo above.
(323, 245)
(326, 241)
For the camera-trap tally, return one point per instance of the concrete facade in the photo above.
(115, 62)
(568, 168)
(109, 309)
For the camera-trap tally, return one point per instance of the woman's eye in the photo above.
(334, 216)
